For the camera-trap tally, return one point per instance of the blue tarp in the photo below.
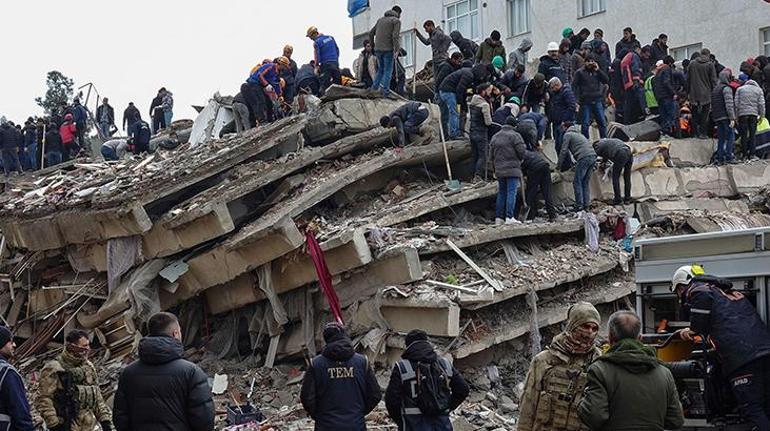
(356, 6)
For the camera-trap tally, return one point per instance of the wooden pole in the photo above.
(42, 158)
(414, 61)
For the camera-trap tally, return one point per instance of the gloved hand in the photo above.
(106, 425)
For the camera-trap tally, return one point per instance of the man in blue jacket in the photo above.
(14, 408)
(327, 58)
(339, 388)
(562, 108)
(268, 73)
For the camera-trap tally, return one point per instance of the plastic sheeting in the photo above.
(355, 7)
(122, 254)
(591, 226)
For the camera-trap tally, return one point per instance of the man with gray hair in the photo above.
(628, 389)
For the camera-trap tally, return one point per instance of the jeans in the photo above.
(31, 157)
(384, 71)
(595, 110)
(479, 147)
(444, 114)
(167, 116)
(667, 109)
(725, 141)
(11, 161)
(449, 99)
(622, 163)
(751, 387)
(330, 74)
(583, 170)
(158, 122)
(109, 154)
(748, 130)
(104, 128)
(53, 158)
(539, 180)
(506, 197)
(700, 119)
(558, 138)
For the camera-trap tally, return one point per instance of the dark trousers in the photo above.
(751, 386)
(330, 74)
(593, 110)
(158, 121)
(747, 126)
(70, 151)
(479, 147)
(700, 119)
(11, 161)
(539, 181)
(622, 163)
(633, 111)
(667, 114)
(264, 106)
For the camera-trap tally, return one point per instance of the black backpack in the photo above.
(432, 392)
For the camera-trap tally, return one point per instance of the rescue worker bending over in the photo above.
(339, 388)
(555, 381)
(407, 120)
(423, 388)
(732, 325)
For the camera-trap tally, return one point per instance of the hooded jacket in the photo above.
(749, 99)
(339, 388)
(68, 130)
(563, 105)
(601, 51)
(631, 70)
(161, 391)
(508, 150)
(481, 115)
(130, 116)
(462, 80)
(386, 34)
(399, 394)
(550, 68)
(701, 79)
(627, 45)
(490, 49)
(53, 141)
(516, 85)
(628, 390)
(13, 398)
(467, 47)
(445, 70)
(439, 43)
(722, 100)
(519, 55)
(574, 142)
(533, 163)
(663, 84)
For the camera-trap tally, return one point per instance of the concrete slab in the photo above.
(660, 182)
(650, 210)
(750, 177)
(707, 181)
(691, 151)
(441, 320)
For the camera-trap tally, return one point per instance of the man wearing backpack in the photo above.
(423, 387)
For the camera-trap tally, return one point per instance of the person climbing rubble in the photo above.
(508, 150)
(537, 173)
(162, 391)
(327, 58)
(554, 385)
(622, 157)
(339, 387)
(262, 76)
(577, 146)
(69, 398)
(407, 120)
(418, 397)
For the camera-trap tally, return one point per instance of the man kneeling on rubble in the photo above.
(339, 388)
(423, 388)
(69, 398)
(407, 120)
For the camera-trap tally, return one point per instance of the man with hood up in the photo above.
(519, 55)
(490, 48)
(627, 388)
(401, 398)
(701, 80)
(554, 385)
(162, 391)
(467, 47)
(339, 388)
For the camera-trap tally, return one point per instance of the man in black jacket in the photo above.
(140, 137)
(156, 111)
(130, 116)
(467, 47)
(339, 388)
(665, 93)
(14, 407)
(453, 90)
(537, 173)
(400, 397)
(105, 117)
(742, 341)
(589, 85)
(162, 391)
(407, 120)
(10, 142)
(446, 69)
(622, 158)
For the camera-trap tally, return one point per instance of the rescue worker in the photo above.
(69, 398)
(583, 153)
(130, 116)
(14, 408)
(407, 120)
(140, 137)
(554, 385)
(537, 173)
(622, 158)
(114, 149)
(628, 389)
(403, 397)
(260, 77)
(730, 323)
(339, 388)
(327, 58)
(480, 122)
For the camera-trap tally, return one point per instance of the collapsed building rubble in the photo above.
(216, 230)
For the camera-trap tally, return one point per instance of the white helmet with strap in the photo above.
(685, 274)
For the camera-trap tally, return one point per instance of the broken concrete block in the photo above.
(650, 210)
(660, 182)
(709, 180)
(210, 121)
(438, 319)
(691, 151)
(750, 177)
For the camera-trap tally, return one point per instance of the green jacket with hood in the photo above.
(628, 389)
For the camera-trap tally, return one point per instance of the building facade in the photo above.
(732, 29)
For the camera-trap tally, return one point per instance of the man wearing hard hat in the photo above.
(729, 322)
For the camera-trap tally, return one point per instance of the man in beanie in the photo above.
(628, 388)
(339, 388)
(556, 378)
(14, 409)
(409, 383)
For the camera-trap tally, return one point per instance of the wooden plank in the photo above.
(492, 282)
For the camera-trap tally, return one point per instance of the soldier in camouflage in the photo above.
(556, 378)
(69, 398)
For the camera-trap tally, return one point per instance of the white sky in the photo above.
(130, 48)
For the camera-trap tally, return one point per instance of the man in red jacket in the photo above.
(68, 132)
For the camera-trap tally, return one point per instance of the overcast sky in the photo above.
(129, 49)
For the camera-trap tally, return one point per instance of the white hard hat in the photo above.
(553, 46)
(685, 274)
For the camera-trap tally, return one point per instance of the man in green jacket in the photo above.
(628, 389)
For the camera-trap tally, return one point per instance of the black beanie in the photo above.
(5, 336)
(416, 335)
(333, 331)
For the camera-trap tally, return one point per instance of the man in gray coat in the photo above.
(519, 55)
(577, 145)
(439, 44)
(701, 79)
(750, 106)
(508, 150)
(386, 36)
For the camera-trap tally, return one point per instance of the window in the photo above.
(590, 7)
(463, 16)
(685, 52)
(766, 41)
(518, 17)
(407, 42)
